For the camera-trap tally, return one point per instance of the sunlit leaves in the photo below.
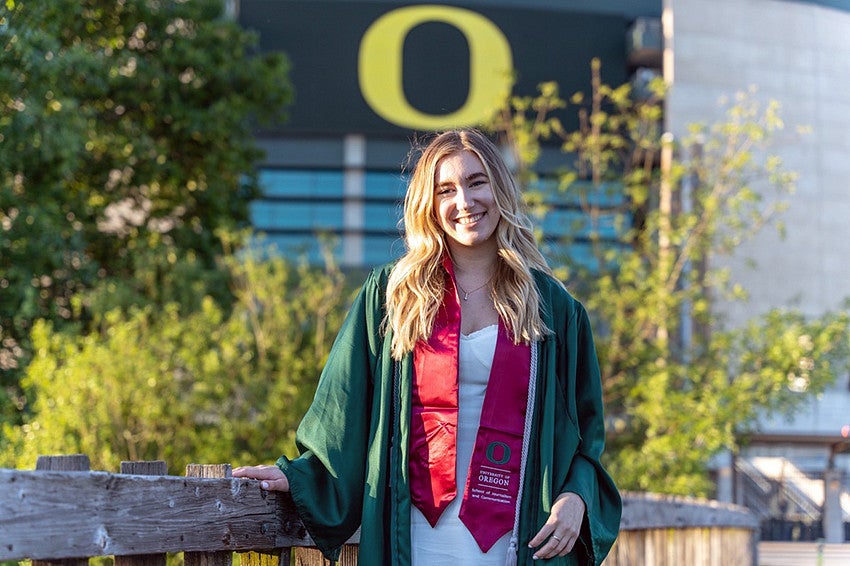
(201, 385)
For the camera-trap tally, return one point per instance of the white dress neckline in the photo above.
(476, 333)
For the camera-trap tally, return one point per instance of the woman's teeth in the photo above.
(470, 219)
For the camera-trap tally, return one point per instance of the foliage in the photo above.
(125, 146)
(207, 386)
(657, 214)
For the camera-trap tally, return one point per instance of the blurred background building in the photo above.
(798, 53)
(369, 75)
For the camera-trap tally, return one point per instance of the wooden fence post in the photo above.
(63, 463)
(278, 557)
(224, 558)
(150, 468)
(313, 557)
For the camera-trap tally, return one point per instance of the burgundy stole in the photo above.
(489, 501)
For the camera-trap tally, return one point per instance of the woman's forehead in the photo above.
(458, 163)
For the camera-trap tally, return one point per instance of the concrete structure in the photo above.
(798, 54)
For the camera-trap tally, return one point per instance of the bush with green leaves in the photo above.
(206, 386)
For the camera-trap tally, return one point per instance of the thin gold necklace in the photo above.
(466, 293)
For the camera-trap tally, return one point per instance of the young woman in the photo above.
(459, 417)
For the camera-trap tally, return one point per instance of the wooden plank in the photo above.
(63, 463)
(148, 468)
(269, 558)
(208, 558)
(703, 546)
(313, 557)
(49, 515)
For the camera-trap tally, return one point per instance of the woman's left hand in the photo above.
(562, 529)
(271, 477)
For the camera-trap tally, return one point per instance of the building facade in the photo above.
(371, 77)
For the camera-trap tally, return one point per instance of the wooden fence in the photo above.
(667, 530)
(58, 516)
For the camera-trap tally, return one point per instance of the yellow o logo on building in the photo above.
(380, 66)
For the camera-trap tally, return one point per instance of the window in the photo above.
(299, 205)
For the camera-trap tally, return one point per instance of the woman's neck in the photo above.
(480, 260)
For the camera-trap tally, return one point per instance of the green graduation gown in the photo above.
(353, 441)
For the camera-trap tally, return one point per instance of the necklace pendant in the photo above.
(465, 296)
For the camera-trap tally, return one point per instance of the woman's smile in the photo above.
(470, 219)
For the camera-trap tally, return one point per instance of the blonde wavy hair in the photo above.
(417, 282)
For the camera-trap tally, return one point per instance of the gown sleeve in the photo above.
(327, 479)
(586, 476)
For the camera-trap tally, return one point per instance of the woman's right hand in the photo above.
(271, 478)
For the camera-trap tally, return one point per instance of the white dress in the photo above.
(450, 543)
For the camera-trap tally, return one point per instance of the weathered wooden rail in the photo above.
(53, 515)
(63, 512)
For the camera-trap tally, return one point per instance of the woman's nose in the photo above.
(463, 199)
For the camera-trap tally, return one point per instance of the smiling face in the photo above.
(463, 201)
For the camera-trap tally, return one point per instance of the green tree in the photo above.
(125, 146)
(207, 386)
(657, 215)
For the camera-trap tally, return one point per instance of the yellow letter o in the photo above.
(380, 67)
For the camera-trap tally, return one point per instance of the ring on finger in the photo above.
(557, 538)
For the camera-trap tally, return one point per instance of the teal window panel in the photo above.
(578, 254)
(381, 249)
(291, 246)
(382, 216)
(301, 215)
(301, 183)
(577, 224)
(377, 249)
(381, 184)
(605, 195)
